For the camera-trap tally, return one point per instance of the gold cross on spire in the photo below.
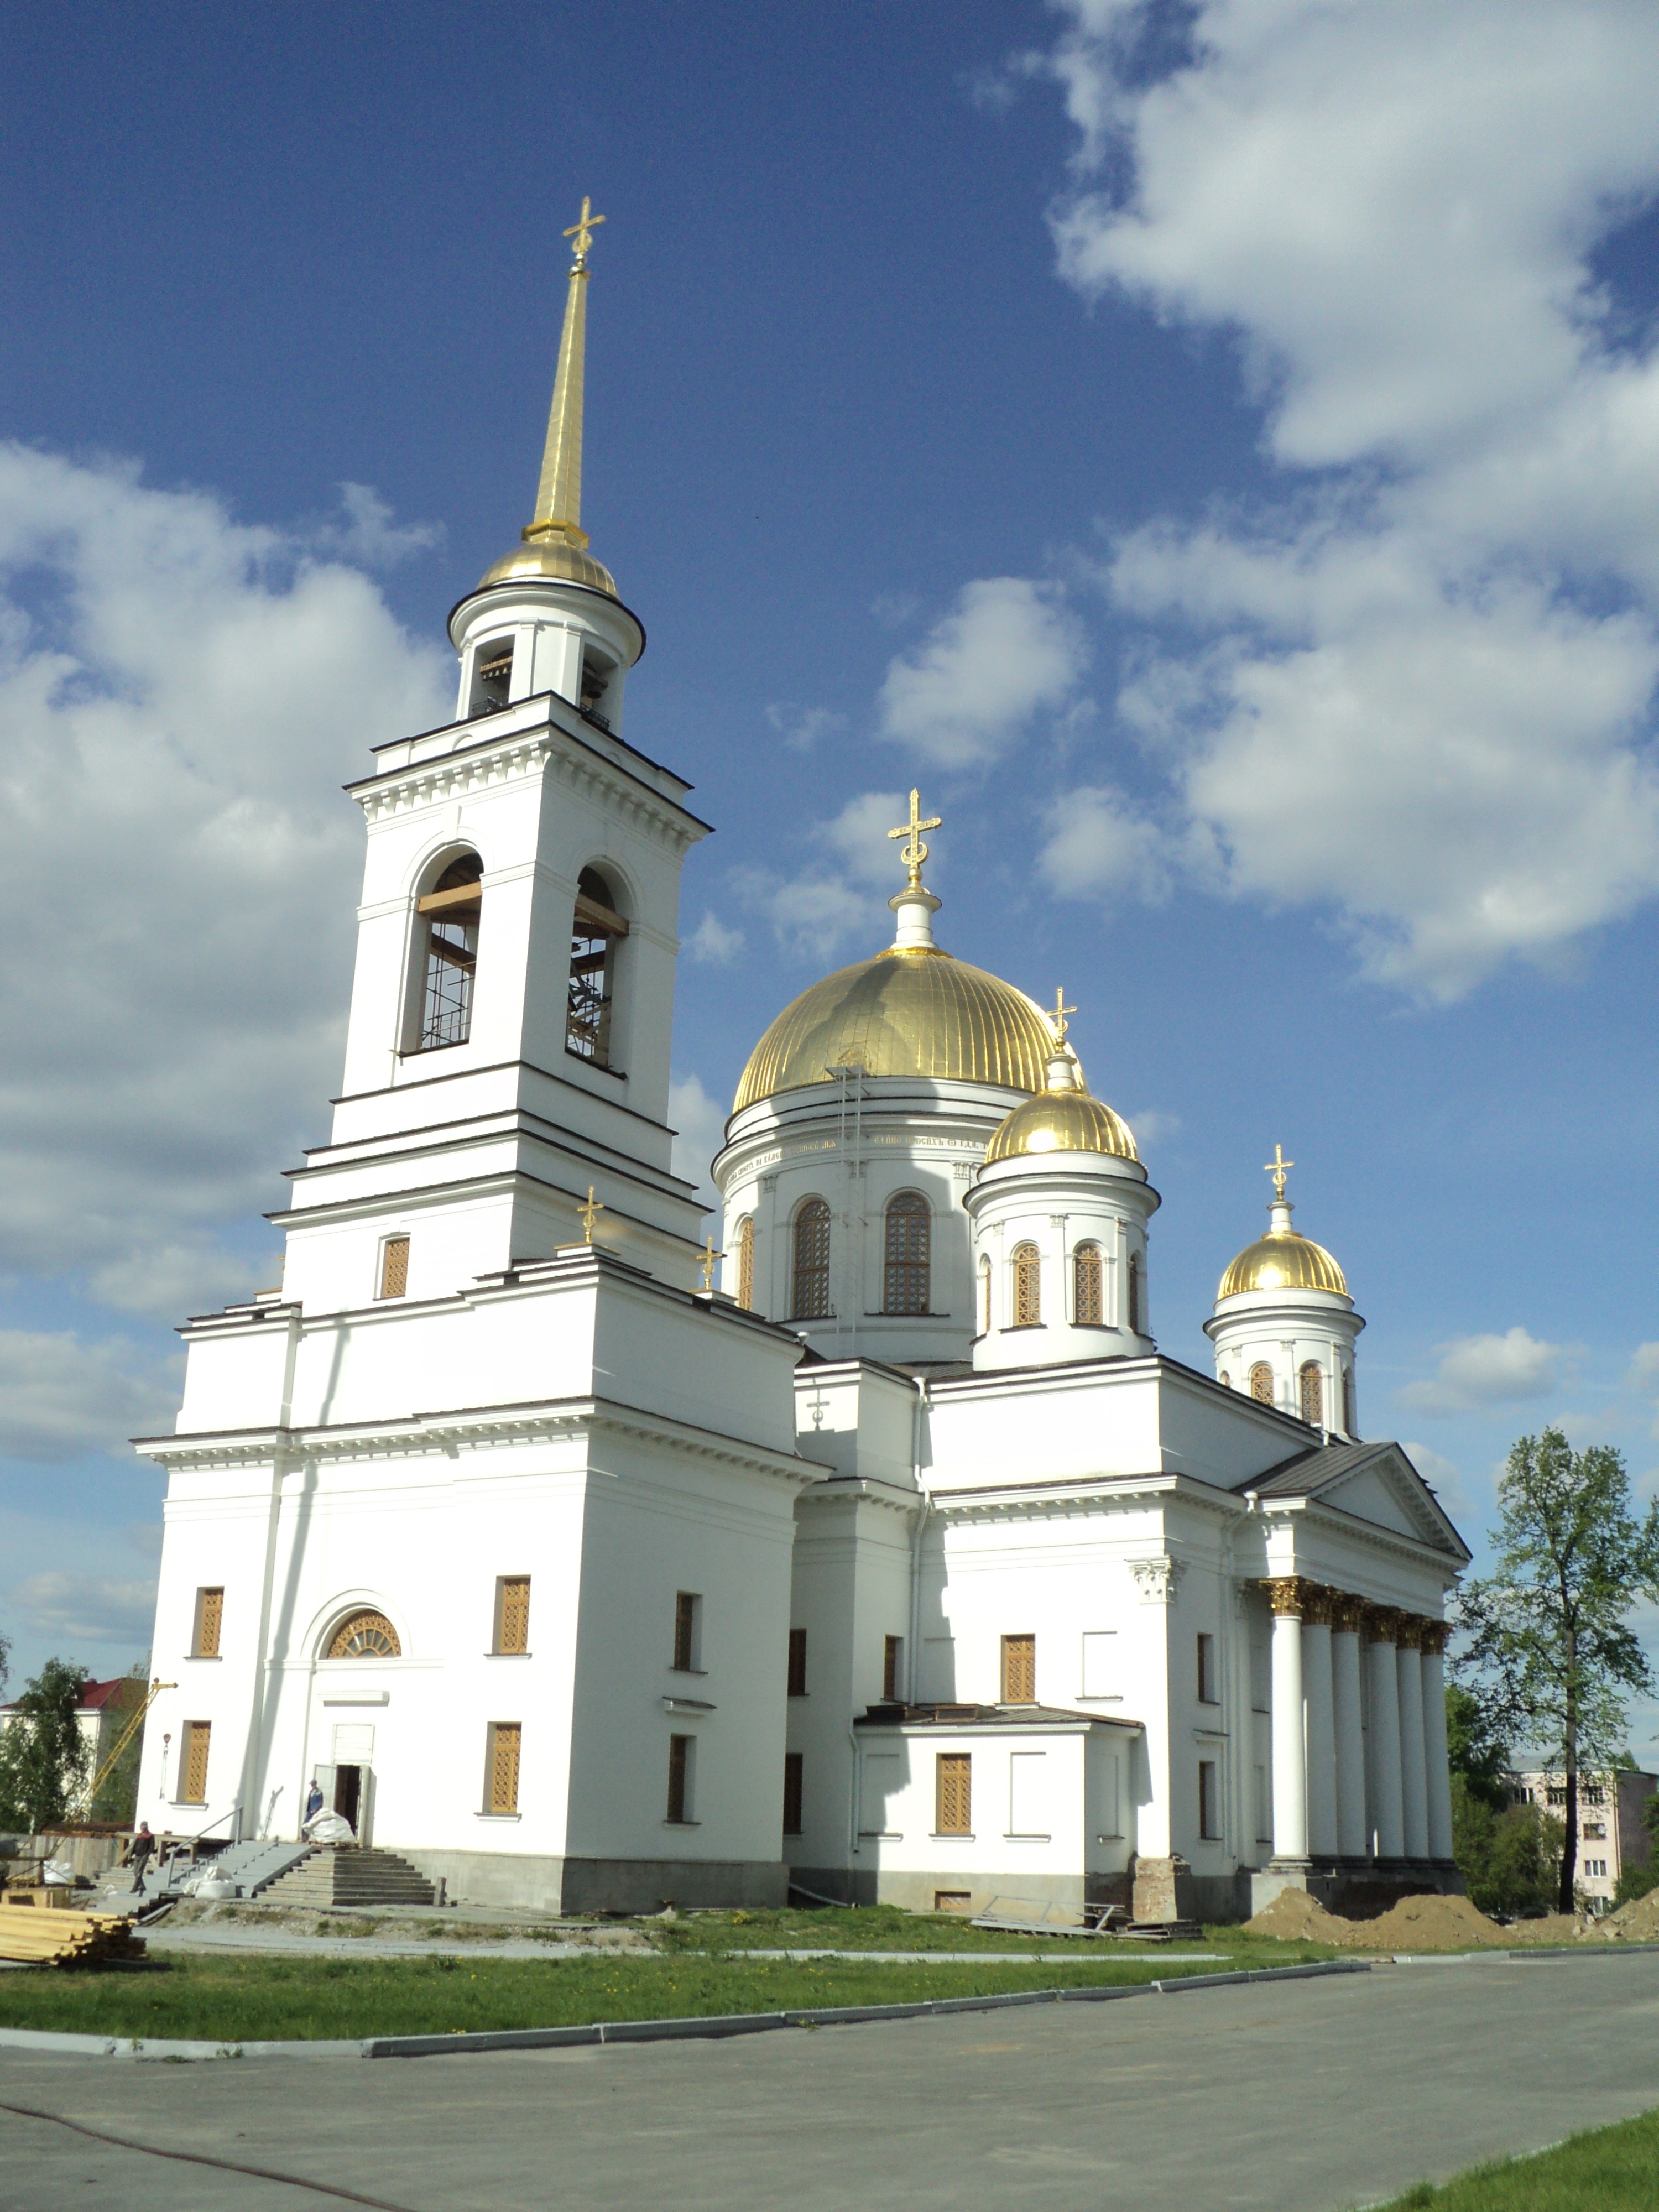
(582, 231)
(914, 853)
(1057, 1021)
(1279, 1167)
(709, 1257)
(589, 1214)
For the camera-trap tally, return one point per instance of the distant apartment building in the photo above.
(1613, 1833)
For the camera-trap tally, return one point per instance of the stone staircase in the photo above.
(333, 1875)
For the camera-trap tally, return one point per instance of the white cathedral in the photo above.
(899, 1564)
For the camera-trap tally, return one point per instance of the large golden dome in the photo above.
(905, 1012)
(1282, 1260)
(1061, 1121)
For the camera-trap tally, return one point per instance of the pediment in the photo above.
(1387, 1491)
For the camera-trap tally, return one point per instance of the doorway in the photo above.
(349, 1797)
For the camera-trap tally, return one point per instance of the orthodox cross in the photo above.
(589, 1214)
(709, 1256)
(582, 231)
(1057, 1020)
(914, 853)
(1279, 1167)
(818, 1407)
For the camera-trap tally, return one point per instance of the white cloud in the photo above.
(60, 1397)
(1418, 694)
(181, 697)
(86, 1608)
(165, 1282)
(1644, 1369)
(1442, 1476)
(712, 944)
(699, 1125)
(1099, 846)
(1486, 1371)
(803, 727)
(370, 534)
(1007, 650)
(837, 900)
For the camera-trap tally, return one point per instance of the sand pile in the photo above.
(1635, 1923)
(1415, 1923)
(1294, 1918)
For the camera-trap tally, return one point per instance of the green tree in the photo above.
(44, 1758)
(1550, 1651)
(117, 1797)
(1475, 1748)
(1505, 1852)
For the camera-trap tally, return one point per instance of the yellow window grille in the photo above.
(985, 1298)
(365, 1636)
(195, 1762)
(1135, 1293)
(812, 1270)
(909, 1238)
(394, 1267)
(955, 1770)
(209, 1620)
(515, 1615)
(890, 1667)
(1313, 1394)
(1019, 1670)
(505, 1737)
(1027, 1286)
(1087, 1287)
(746, 1264)
(1262, 1383)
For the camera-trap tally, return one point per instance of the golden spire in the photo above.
(1279, 1167)
(559, 494)
(914, 853)
(1057, 1021)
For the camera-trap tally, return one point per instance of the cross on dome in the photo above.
(589, 1214)
(1279, 1168)
(1057, 1020)
(709, 1257)
(915, 851)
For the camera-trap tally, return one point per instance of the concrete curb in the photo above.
(710, 2027)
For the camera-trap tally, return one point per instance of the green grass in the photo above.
(885, 1928)
(1612, 2169)
(227, 2000)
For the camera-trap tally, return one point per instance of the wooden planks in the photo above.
(63, 1936)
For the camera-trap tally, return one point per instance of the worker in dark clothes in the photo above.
(138, 1857)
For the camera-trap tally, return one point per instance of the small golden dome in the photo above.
(553, 558)
(1061, 1121)
(1282, 1260)
(905, 1012)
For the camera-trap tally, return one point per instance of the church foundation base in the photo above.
(1165, 1889)
(534, 1883)
(946, 1890)
(1356, 1889)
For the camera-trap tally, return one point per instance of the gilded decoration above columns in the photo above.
(1432, 1635)
(1383, 1624)
(1290, 1595)
(1317, 1605)
(1346, 1613)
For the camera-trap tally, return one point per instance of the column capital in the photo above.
(1157, 1579)
(1383, 1623)
(1435, 1635)
(1347, 1613)
(1287, 1595)
(1317, 1605)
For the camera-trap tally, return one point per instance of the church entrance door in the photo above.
(353, 1796)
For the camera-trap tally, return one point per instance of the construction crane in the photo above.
(125, 1739)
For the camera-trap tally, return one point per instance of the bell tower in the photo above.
(508, 1049)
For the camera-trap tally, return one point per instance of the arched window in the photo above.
(1226, 1380)
(1027, 1286)
(1313, 1393)
(1347, 1401)
(746, 1263)
(812, 1255)
(910, 1233)
(1134, 1294)
(596, 929)
(984, 1296)
(1088, 1298)
(1262, 1383)
(365, 1636)
(451, 910)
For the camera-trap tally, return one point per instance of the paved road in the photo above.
(1302, 2097)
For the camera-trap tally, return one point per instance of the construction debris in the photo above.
(37, 1930)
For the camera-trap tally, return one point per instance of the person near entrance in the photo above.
(138, 1856)
(314, 1802)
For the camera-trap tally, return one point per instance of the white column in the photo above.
(1289, 1750)
(1352, 1840)
(1414, 1764)
(1318, 1694)
(1387, 1812)
(1434, 1742)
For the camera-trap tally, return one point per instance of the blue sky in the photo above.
(1211, 450)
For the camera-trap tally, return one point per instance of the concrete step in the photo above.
(344, 1876)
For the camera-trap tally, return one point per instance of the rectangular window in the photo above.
(1594, 1831)
(953, 1900)
(503, 1782)
(892, 1669)
(1209, 1693)
(688, 1632)
(954, 1787)
(1264, 1807)
(1019, 1670)
(1028, 1793)
(1100, 1662)
(512, 1615)
(682, 1778)
(794, 1766)
(394, 1267)
(194, 1763)
(1209, 1802)
(798, 1662)
(1111, 1796)
(209, 1620)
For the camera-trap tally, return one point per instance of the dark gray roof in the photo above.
(944, 1714)
(1309, 1473)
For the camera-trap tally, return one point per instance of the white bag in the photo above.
(329, 1828)
(58, 1874)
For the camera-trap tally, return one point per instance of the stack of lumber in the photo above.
(62, 1936)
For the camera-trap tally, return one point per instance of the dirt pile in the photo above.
(1635, 1923)
(1428, 1923)
(1294, 1918)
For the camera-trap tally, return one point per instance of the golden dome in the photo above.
(905, 1012)
(1061, 1121)
(551, 557)
(1282, 1260)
